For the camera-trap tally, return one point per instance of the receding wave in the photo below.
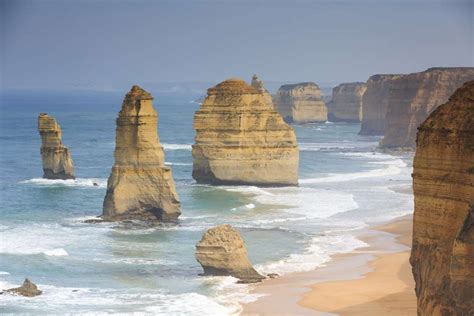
(79, 182)
(176, 146)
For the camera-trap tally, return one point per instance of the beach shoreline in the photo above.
(371, 280)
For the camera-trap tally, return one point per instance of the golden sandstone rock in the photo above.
(413, 97)
(28, 289)
(346, 103)
(57, 161)
(442, 256)
(222, 251)
(301, 103)
(259, 86)
(240, 139)
(140, 185)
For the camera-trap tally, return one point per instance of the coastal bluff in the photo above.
(241, 139)
(57, 161)
(301, 103)
(346, 103)
(442, 255)
(140, 185)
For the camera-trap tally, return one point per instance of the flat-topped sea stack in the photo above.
(413, 97)
(301, 103)
(442, 255)
(140, 185)
(241, 139)
(57, 161)
(346, 103)
(221, 251)
(374, 104)
(258, 85)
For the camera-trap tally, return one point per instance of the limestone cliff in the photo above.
(259, 86)
(221, 251)
(442, 256)
(413, 97)
(374, 104)
(57, 161)
(346, 103)
(301, 103)
(140, 185)
(240, 139)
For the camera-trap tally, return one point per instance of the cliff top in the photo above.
(298, 85)
(232, 86)
(137, 93)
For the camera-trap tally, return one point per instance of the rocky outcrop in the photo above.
(346, 103)
(140, 185)
(57, 161)
(259, 86)
(28, 289)
(374, 104)
(301, 103)
(240, 139)
(442, 255)
(222, 251)
(413, 97)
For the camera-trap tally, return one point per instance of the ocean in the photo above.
(345, 186)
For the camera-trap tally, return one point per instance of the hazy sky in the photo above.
(106, 44)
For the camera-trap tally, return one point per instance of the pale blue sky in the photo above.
(106, 44)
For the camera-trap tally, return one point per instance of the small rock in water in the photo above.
(273, 275)
(28, 289)
(95, 184)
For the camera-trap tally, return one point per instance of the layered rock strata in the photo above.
(442, 256)
(413, 97)
(28, 289)
(140, 185)
(57, 161)
(257, 84)
(346, 103)
(221, 251)
(240, 139)
(301, 103)
(374, 104)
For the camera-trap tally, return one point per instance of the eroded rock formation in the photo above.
(346, 103)
(140, 185)
(240, 139)
(57, 161)
(28, 289)
(301, 103)
(222, 251)
(413, 97)
(259, 86)
(442, 256)
(374, 104)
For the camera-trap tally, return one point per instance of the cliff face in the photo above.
(240, 139)
(413, 97)
(442, 256)
(300, 103)
(374, 104)
(346, 103)
(259, 86)
(140, 185)
(57, 161)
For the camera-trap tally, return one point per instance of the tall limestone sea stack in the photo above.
(301, 103)
(140, 185)
(57, 161)
(442, 256)
(346, 103)
(241, 139)
(258, 85)
(413, 97)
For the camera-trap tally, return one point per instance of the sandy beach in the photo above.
(372, 280)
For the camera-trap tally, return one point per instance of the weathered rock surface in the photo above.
(240, 139)
(57, 161)
(374, 104)
(259, 86)
(413, 97)
(301, 103)
(28, 289)
(140, 185)
(222, 251)
(346, 103)
(442, 256)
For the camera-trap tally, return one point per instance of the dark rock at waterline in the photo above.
(28, 289)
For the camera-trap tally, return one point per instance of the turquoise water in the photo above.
(344, 186)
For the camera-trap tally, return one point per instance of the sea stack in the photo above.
(301, 103)
(28, 289)
(140, 185)
(57, 161)
(346, 103)
(222, 251)
(413, 97)
(374, 104)
(259, 86)
(241, 139)
(442, 255)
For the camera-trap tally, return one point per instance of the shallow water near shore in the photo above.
(345, 185)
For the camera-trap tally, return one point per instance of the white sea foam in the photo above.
(4, 273)
(176, 146)
(137, 261)
(323, 146)
(79, 182)
(58, 252)
(178, 163)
